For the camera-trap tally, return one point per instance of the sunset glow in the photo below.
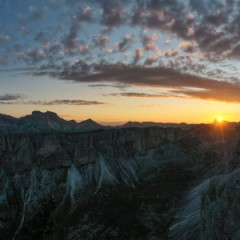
(117, 61)
(219, 119)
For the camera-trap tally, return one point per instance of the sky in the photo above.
(116, 60)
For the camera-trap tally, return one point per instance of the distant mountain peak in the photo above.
(47, 113)
(155, 124)
(39, 121)
(89, 123)
(35, 112)
(4, 116)
(89, 120)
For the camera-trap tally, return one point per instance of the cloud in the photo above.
(41, 37)
(14, 99)
(4, 38)
(11, 97)
(174, 81)
(83, 48)
(149, 42)
(212, 24)
(65, 102)
(139, 95)
(125, 43)
(168, 42)
(3, 61)
(70, 40)
(8, 102)
(31, 56)
(187, 47)
(151, 60)
(85, 14)
(171, 53)
(24, 30)
(37, 13)
(112, 13)
(209, 27)
(138, 55)
(100, 41)
(53, 49)
(115, 85)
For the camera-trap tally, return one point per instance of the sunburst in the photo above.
(219, 119)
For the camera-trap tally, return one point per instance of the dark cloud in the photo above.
(54, 49)
(100, 85)
(158, 77)
(216, 19)
(188, 47)
(11, 97)
(25, 30)
(83, 48)
(206, 6)
(139, 95)
(28, 70)
(235, 53)
(212, 24)
(138, 55)
(151, 60)
(126, 42)
(17, 47)
(100, 41)
(70, 40)
(4, 38)
(37, 13)
(112, 13)
(41, 37)
(3, 61)
(31, 56)
(149, 42)
(73, 2)
(115, 85)
(85, 14)
(138, 16)
(54, 4)
(8, 102)
(171, 53)
(65, 102)
(206, 27)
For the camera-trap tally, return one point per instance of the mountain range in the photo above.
(143, 183)
(50, 121)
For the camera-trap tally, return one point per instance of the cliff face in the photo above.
(99, 184)
(220, 208)
(62, 150)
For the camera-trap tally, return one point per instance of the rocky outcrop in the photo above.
(187, 219)
(106, 183)
(50, 150)
(220, 208)
(43, 122)
(209, 210)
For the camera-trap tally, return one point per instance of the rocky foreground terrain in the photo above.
(120, 183)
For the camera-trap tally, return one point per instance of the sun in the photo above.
(219, 119)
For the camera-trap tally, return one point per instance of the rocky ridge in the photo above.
(110, 183)
(44, 122)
